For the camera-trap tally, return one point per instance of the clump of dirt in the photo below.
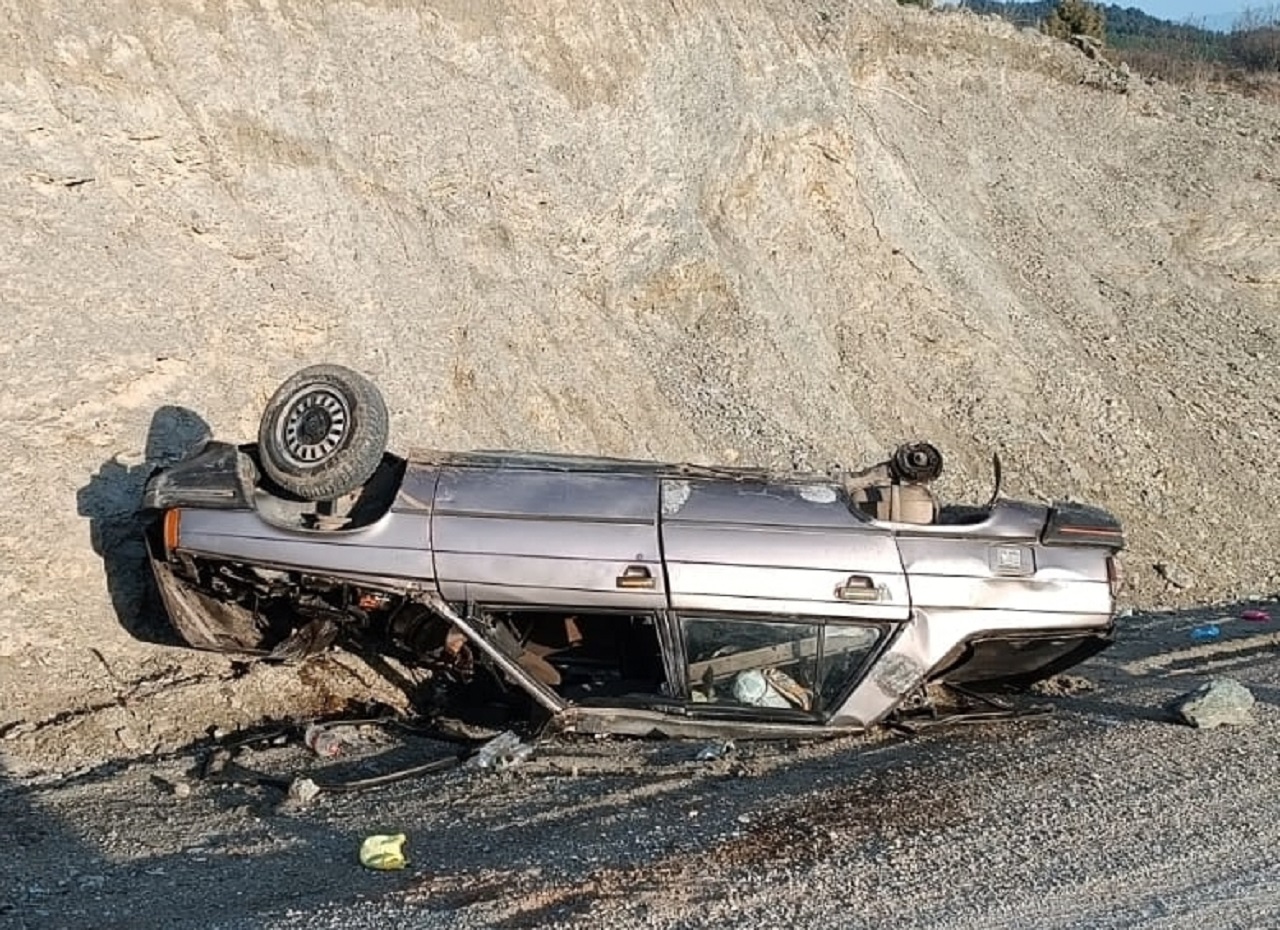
(785, 234)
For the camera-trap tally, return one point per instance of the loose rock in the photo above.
(1221, 701)
(1062, 686)
(302, 791)
(1178, 577)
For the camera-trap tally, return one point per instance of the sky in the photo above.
(1209, 14)
(1178, 10)
(1215, 12)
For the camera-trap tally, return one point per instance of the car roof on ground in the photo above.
(593, 464)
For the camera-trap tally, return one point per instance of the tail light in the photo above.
(172, 528)
(1115, 577)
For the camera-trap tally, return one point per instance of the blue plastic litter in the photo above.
(1202, 634)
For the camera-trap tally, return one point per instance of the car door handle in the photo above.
(859, 588)
(635, 576)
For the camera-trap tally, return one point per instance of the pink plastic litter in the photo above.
(323, 743)
(1257, 616)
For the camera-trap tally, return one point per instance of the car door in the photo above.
(759, 547)
(546, 536)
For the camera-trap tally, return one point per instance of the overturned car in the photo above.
(622, 596)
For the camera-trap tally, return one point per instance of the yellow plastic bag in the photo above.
(383, 851)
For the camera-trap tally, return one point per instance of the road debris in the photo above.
(502, 752)
(323, 741)
(1062, 686)
(1220, 701)
(173, 786)
(717, 750)
(1206, 632)
(383, 851)
(302, 791)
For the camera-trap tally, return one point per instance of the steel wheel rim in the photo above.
(314, 426)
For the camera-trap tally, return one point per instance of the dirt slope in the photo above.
(770, 232)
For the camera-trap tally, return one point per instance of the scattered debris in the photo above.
(717, 750)
(1206, 632)
(502, 752)
(1062, 686)
(383, 851)
(1221, 701)
(1255, 616)
(302, 791)
(322, 741)
(174, 786)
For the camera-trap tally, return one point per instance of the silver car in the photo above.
(622, 596)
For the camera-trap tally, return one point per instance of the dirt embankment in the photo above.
(768, 232)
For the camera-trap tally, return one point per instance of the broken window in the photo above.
(582, 654)
(778, 664)
(846, 647)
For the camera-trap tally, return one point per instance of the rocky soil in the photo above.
(790, 233)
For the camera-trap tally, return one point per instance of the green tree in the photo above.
(1255, 40)
(1076, 18)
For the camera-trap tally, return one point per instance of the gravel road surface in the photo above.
(1106, 813)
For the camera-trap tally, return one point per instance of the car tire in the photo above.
(323, 433)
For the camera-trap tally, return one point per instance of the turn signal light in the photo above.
(172, 525)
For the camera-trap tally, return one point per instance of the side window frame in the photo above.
(824, 703)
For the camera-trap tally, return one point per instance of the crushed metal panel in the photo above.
(417, 489)
(509, 666)
(980, 575)
(206, 622)
(629, 721)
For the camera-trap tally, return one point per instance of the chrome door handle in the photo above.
(859, 588)
(635, 576)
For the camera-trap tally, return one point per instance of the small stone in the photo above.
(1175, 575)
(127, 739)
(1062, 686)
(303, 791)
(181, 789)
(1221, 701)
